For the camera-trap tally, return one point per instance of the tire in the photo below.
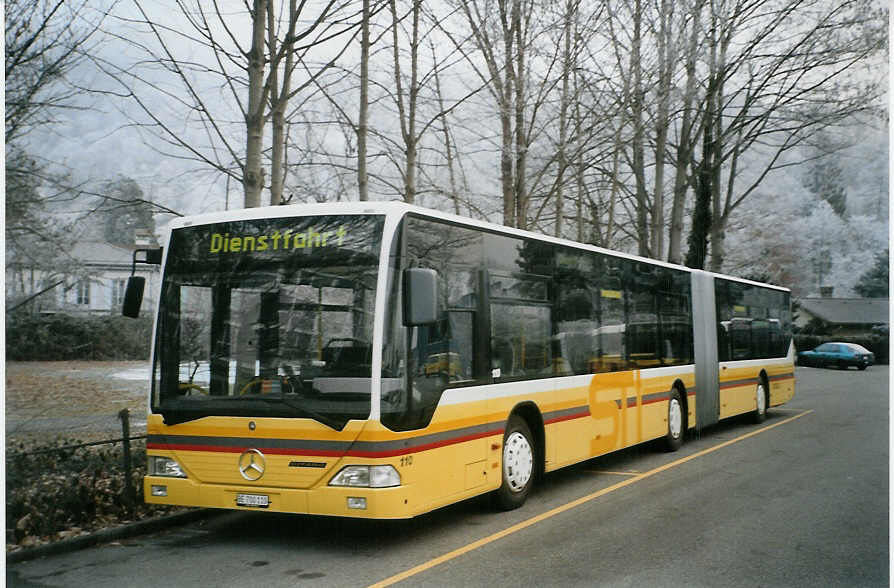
(517, 465)
(862, 367)
(760, 400)
(675, 422)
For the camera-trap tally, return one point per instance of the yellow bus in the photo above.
(383, 360)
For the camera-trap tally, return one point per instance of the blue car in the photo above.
(840, 355)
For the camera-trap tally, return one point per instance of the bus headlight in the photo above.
(165, 466)
(365, 476)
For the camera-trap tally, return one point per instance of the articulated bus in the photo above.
(382, 360)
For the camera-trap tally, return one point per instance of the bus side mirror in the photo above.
(133, 296)
(420, 296)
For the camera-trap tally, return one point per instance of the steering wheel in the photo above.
(251, 383)
(186, 388)
(285, 384)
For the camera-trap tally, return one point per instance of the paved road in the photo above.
(801, 500)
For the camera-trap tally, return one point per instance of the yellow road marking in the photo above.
(570, 505)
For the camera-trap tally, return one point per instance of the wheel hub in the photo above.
(518, 461)
(675, 418)
(761, 400)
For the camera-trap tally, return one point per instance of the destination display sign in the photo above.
(284, 238)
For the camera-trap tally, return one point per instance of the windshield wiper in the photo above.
(174, 415)
(329, 422)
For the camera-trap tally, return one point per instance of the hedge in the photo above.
(54, 491)
(68, 337)
(878, 344)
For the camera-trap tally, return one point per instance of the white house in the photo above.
(97, 286)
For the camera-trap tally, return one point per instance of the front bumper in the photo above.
(381, 503)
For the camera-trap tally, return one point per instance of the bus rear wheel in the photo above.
(760, 403)
(674, 438)
(518, 465)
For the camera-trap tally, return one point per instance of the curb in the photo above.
(112, 534)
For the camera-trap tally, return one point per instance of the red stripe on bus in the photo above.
(425, 446)
(329, 453)
(739, 383)
(235, 449)
(752, 381)
(783, 377)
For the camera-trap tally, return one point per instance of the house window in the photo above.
(118, 288)
(83, 293)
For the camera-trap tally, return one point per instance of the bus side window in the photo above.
(520, 340)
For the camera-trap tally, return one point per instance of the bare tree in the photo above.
(786, 77)
(451, 155)
(691, 24)
(363, 117)
(45, 41)
(418, 100)
(46, 44)
(495, 40)
(258, 80)
(720, 91)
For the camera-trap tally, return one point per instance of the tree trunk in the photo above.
(506, 168)
(666, 60)
(521, 143)
(280, 98)
(363, 118)
(510, 202)
(701, 221)
(448, 142)
(684, 143)
(561, 157)
(407, 113)
(638, 147)
(719, 210)
(253, 172)
(701, 215)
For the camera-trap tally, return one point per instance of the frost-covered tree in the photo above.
(824, 176)
(124, 210)
(874, 283)
(825, 181)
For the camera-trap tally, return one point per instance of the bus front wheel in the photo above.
(518, 465)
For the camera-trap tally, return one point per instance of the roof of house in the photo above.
(848, 311)
(97, 252)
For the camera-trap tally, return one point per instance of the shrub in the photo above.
(52, 491)
(67, 337)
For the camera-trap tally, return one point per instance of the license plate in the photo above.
(256, 500)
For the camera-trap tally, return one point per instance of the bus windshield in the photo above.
(268, 317)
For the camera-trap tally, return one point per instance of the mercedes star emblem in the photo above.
(251, 465)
